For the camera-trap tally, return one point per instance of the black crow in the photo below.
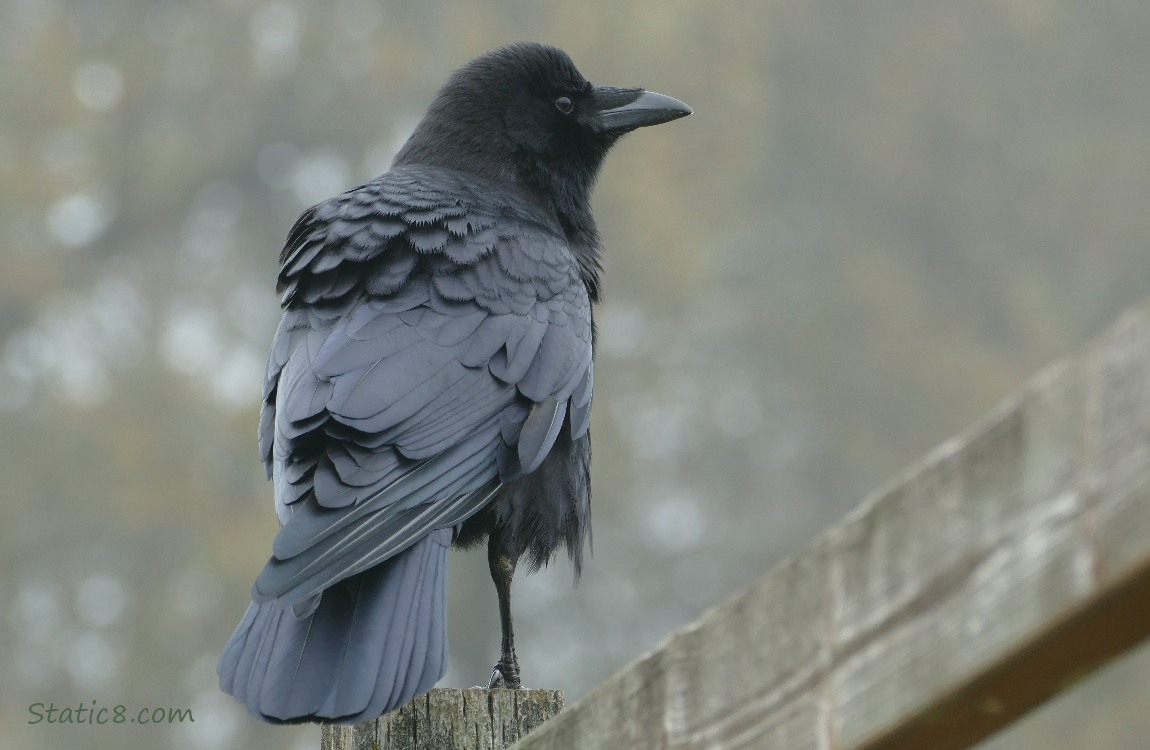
(430, 385)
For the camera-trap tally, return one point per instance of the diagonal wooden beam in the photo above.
(994, 573)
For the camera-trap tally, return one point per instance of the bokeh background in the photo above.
(882, 218)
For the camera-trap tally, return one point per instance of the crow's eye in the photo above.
(564, 104)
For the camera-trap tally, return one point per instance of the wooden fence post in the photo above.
(450, 719)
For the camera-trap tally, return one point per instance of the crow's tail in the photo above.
(375, 641)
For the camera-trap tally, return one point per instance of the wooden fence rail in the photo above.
(998, 570)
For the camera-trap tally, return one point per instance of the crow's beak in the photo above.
(622, 110)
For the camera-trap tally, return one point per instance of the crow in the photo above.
(429, 386)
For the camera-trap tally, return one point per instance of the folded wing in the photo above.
(436, 339)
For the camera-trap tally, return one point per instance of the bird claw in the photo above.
(499, 679)
(495, 681)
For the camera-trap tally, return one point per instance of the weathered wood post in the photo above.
(450, 719)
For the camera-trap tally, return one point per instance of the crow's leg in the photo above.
(501, 560)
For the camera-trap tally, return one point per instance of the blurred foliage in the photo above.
(881, 219)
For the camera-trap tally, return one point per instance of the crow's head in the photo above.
(525, 113)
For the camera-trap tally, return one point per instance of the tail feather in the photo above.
(412, 659)
(375, 641)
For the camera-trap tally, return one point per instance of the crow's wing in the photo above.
(437, 335)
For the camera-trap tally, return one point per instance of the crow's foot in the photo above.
(505, 675)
